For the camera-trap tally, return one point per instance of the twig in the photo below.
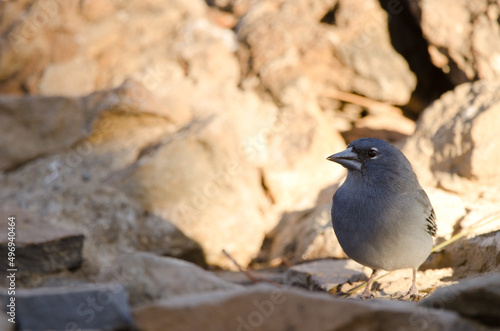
(253, 278)
(359, 100)
(488, 219)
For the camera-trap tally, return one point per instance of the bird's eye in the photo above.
(372, 153)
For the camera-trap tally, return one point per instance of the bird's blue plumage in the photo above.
(381, 215)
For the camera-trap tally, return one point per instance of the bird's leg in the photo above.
(367, 292)
(413, 289)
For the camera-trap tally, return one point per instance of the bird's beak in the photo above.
(348, 159)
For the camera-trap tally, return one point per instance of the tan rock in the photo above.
(286, 42)
(387, 126)
(464, 37)
(5, 324)
(470, 255)
(324, 275)
(269, 308)
(40, 247)
(35, 126)
(73, 199)
(148, 277)
(55, 78)
(98, 49)
(341, 276)
(304, 235)
(205, 186)
(296, 167)
(455, 143)
(449, 208)
(474, 298)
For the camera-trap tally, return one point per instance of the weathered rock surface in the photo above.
(35, 126)
(5, 324)
(303, 235)
(111, 222)
(181, 130)
(87, 307)
(283, 42)
(303, 136)
(341, 276)
(455, 144)
(196, 181)
(476, 298)
(62, 48)
(450, 210)
(463, 36)
(387, 126)
(147, 277)
(324, 275)
(468, 256)
(271, 308)
(40, 247)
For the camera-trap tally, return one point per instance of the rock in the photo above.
(450, 210)
(5, 324)
(407, 40)
(468, 256)
(297, 39)
(304, 235)
(40, 125)
(464, 38)
(270, 308)
(36, 125)
(295, 168)
(89, 307)
(387, 126)
(455, 145)
(205, 185)
(42, 42)
(40, 247)
(148, 277)
(111, 222)
(395, 284)
(238, 277)
(476, 298)
(324, 275)
(341, 276)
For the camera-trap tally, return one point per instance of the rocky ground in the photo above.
(165, 160)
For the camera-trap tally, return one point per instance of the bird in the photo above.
(381, 215)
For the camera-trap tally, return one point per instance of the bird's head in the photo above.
(369, 154)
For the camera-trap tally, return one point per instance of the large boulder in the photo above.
(472, 255)
(340, 45)
(455, 144)
(269, 308)
(40, 247)
(148, 277)
(46, 125)
(475, 298)
(71, 49)
(81, 307)
(463, 37)
(304, 235)
(205, 185)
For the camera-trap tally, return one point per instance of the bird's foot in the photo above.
(366, 294)
(412, 293)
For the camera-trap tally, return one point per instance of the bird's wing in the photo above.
(430, 215)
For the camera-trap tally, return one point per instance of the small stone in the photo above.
(41, 247)
(87, 307)
(148, 277)
(324, 275)
(476, 298)
(265, 307)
